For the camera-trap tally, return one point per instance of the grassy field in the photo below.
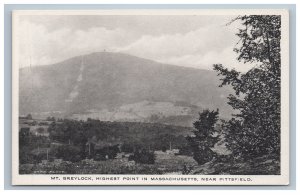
(164, 164)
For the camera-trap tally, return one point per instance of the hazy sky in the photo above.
(192, 41)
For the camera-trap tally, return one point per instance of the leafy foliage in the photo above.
(28, 143)
(129, 134)
(204, 137)
(73, 140)
(67, 153)
(255, 130)
(144, 156)
(109, 151)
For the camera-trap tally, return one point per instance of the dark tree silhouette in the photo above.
(255, 130)
(204, 137)
(143, 156)
(29, 117)
(68, 153)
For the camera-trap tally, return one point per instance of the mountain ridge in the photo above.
(108, 81)
(113, 53)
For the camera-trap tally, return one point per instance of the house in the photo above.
(173, 151)
(167, 152)
(120, 155)
(55, 144)
(57, 161)
(44, 162)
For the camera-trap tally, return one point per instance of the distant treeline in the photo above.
(74, 140)
(144, 135)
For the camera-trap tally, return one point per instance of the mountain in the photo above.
(120, 87)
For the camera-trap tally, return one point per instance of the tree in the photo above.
(204, 137)
(255, 130)
(49, 118)
(143, 156)
(29, 117)
(67, 153)
(41, 130)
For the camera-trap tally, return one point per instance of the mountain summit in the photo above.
(119, 87)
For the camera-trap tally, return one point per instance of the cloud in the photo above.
(198, 48)
(42, 47)
(206, 60)
(201, 40)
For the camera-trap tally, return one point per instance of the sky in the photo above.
(192, 41)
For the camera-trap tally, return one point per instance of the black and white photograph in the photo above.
(150, 97)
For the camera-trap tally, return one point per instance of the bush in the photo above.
(144, 157)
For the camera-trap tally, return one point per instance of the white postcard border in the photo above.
(282, 179)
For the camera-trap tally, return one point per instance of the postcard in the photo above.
(150, 97)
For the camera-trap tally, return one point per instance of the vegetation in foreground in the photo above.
(253, 134)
